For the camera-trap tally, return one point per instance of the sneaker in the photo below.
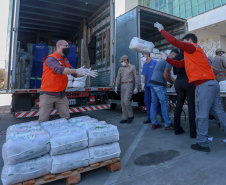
(130, 120)
(170, 127)
(200, 148)
(156, 126)
(123, 121)
(147, 121)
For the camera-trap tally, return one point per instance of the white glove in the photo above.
(135, 91)
(163, 56)
(116, 90)
(159, 26)
(82, 71)
(92, 73)
(142, 86)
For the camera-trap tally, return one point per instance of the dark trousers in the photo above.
(183, 90)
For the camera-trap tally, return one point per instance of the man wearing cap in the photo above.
(126, 74)
(219, 65)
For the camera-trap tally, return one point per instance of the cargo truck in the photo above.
(82, 21)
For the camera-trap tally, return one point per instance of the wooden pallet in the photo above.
(74, 176)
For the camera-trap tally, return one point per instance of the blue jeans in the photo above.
(147, 102)
(159, 93)
(207, 99)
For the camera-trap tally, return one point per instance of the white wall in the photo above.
(123, 6)
(130, 4)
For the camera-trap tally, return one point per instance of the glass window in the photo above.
(140, 2)
(194, 11)
(223, 2)
(156, 4)
(176, 2)
(187, 5)
(216, 3)
(188, 13)
(182, 14)
(176, 10)
(171, 11)
(202, 8)
(170, 5)
(194, 3)
(209, 5)
(182, 7)
(152, 4)
(182, 1)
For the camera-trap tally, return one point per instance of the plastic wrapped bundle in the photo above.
(21, 126)
(68, 141)
(69, 84)
(77, 119)
(103, 135)
(13, 135)
(58, 128)
(104, 152)
(81, 79)
(222, 85)
(70, 77)
(12, 174)
(87, 121)
(60, 121)
(88, 125)
(141, 46)
(79, 84)
(70, 161)
(24, 147)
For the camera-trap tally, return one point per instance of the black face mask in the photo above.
(66, 51)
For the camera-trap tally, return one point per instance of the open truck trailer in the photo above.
(81, 20)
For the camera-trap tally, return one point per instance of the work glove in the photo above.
(135, 91)
(142, 86)
(82, 71)
(92, 73)
(159, 26)
(116, 90)
(163, 56)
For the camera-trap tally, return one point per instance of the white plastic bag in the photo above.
(141, 46)
(12, 174)
(22, 126)
(25, 147)
(87, 121)
(79, 84)
(102, 135)
(81, 79)
(89, 125)
(68, 141)
(69, 84)
(70, 161)
(77, 119)
(104, 152)
(70, 77)
(60, 121)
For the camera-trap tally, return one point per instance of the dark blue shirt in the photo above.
(40, 50)
(147, 71)
(72, 53)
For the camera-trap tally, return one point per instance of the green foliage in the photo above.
(2, 74)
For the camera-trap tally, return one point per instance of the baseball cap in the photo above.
(220, 50)
(124, 57)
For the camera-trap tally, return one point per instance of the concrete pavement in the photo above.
(156, 157)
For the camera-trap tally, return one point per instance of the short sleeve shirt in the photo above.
(40, 50)
(157, 76)
(147, 71)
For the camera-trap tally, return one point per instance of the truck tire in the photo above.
(21, 102)
(113, 106)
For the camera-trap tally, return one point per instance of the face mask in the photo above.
(222, 55)
(66, 51)
(143, 59)
(123, 64)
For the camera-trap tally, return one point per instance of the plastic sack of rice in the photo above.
(86, 126)
(79, 84)
(12, 174)
(141, 46)
(22, 127)
(102, 134)
(68, 141)
(78, 119)
(104, 152)
(56, 121)
(87, 121)
(70, 161)
(54, 129)
(24, 146)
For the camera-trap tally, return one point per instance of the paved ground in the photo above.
(156, 157)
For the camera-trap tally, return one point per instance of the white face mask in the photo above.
(143, 59)
(123, 64)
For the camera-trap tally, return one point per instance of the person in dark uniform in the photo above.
(72, 56)
(183, 90)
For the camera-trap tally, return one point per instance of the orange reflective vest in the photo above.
(197, 66)
(51, 81)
